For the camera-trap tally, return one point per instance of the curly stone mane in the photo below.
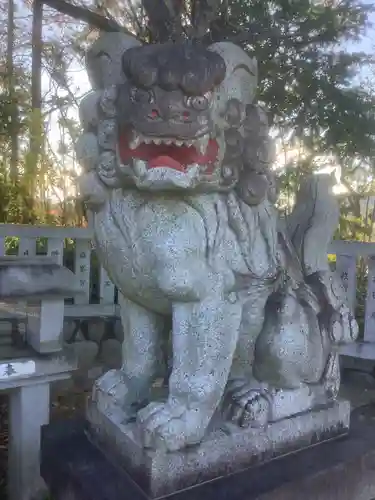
(247, 161)
(188, 67)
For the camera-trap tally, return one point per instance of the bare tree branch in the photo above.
(85, 15)
(134, 18)
(204, 12)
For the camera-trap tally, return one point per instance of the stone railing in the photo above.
(92, 319)
(91, 324)
(348, 255)
(56, 237)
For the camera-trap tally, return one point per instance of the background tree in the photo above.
(34, 168)
(306, 81)
(306, 74)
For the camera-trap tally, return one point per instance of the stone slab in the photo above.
(22, 372)
(341, 469)
(35, 278)
(226, 449)
(359, 350)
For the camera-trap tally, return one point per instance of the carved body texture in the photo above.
(177, 171)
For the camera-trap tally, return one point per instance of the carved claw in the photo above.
(170, 426)
(111, 389)
(331, 377)
(247, 407)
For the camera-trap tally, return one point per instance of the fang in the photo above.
(201, 144)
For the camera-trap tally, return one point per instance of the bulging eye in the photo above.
(199, 102)
(142, 96)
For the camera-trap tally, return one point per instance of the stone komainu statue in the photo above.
(176, 158)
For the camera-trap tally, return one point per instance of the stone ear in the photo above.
(104, 59)
(241, 76)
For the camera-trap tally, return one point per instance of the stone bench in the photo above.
(35, 286)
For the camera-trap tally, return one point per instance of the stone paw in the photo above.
(111, 389)
(171, 426)
(247, 407)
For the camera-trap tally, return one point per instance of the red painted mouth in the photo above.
(169, 155)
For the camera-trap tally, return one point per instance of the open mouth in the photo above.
(172, 153)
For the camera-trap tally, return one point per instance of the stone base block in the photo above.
(340, 469)
(226, 449)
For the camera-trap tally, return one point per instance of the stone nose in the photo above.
(170, 107)
(174, 113)
(154, 114)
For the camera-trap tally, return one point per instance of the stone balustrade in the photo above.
(91, 320)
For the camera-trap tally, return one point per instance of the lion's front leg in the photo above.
(130, 386)
(205, 335)
(246, 402)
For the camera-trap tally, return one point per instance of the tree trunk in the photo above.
(36, 104)
(164, 19)
(12, 93)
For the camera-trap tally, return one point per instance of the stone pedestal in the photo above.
(226, 449)
(338, 469)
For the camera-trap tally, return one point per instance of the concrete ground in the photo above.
(358, 393)
(358, 381)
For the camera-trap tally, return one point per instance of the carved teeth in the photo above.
(135, 140)
(202, 143)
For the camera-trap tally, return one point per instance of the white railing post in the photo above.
(56, 249)
(2, 246)
(346, 269)
(107, 289)
(27, 247)
(82, 269)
